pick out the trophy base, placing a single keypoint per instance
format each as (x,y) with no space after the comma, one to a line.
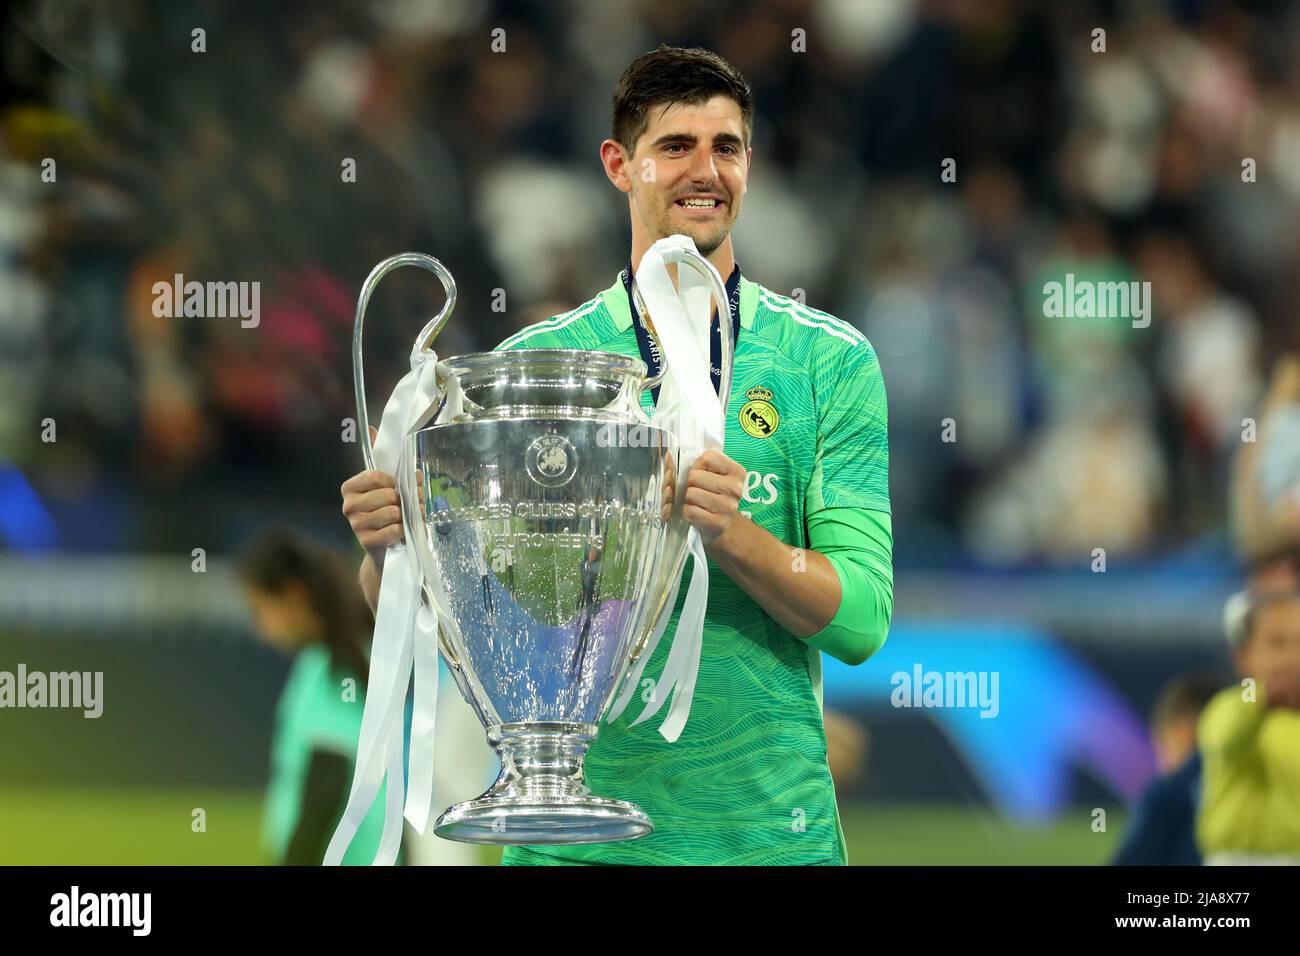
(509,821)
(540,797)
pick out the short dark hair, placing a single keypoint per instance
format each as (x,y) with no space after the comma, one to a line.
(674,74)
(1185,697)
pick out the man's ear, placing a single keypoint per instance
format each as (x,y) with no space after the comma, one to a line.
(617,164)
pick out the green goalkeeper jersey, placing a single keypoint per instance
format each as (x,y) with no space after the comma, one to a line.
(747,781)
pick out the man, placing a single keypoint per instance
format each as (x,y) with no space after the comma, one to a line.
(804,568)
(1249,737)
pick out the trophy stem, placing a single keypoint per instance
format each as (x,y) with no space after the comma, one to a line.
(541,760)
(541,795)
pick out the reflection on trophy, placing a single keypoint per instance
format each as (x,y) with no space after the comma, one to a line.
(535,514)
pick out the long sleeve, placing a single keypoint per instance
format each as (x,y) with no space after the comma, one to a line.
(1251,797)
(858,542)
(324,795)
(1229,725)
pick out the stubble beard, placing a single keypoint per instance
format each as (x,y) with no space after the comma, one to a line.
(706,244)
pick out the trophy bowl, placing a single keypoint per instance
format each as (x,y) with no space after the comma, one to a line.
(540,513)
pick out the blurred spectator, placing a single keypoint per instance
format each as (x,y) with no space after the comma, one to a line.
(1266,471)
(305,604)
(1210,347)
(1249,737)
(1162,830)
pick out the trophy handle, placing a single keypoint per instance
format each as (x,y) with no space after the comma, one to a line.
(700,265)
(426,336)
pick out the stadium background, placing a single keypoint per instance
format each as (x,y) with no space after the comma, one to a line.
(1071,435)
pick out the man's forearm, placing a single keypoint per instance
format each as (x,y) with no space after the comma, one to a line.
(797,586)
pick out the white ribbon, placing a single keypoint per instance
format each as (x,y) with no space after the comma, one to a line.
(406,633)
(633,681)
(689,407)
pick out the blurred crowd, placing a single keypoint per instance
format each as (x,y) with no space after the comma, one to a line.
(1173,157)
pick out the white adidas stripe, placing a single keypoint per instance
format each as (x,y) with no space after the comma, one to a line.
(827,323)
(815,315)
(550,325)
(819,315)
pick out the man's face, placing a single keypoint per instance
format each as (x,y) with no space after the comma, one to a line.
(689,171)
(1274,643)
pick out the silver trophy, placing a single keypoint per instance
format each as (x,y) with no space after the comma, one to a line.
(539,511)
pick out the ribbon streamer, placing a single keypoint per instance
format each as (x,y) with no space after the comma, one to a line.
(406,633)
(689,407)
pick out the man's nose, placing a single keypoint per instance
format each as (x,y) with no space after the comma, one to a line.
(703,168)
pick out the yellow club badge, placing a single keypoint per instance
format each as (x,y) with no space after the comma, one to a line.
(759,416)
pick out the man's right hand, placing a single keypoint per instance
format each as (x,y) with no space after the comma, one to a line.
(370,504)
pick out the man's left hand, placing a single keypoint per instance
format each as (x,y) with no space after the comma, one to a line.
(714,487)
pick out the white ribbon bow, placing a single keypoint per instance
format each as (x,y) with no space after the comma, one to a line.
(406,632)
(689,407)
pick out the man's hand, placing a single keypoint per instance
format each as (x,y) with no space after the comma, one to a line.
(370,504)
(714,487)
(802,596)
(670,488)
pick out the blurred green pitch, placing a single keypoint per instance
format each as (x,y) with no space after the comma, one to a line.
(64,826)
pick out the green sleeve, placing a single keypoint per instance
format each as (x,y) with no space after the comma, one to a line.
(851,469)
(859,543)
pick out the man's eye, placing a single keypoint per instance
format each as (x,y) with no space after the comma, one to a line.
(674,147)
(728,149)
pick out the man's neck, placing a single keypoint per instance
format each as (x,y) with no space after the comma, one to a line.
(722,258)
(722,261)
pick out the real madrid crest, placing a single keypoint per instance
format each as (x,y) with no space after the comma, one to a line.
(759,416)
(551,460)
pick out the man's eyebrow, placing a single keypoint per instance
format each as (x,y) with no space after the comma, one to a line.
(718,139)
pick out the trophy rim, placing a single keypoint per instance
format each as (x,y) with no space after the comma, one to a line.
(545,413)
(567,359)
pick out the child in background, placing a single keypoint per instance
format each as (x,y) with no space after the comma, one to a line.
(1162,831)
(1249,737)
(305,603)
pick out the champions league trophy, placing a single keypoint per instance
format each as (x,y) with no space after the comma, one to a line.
(532,492)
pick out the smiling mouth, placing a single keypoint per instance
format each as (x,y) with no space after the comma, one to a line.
(700,204)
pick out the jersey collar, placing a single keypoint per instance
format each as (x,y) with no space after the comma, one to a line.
(615,300)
